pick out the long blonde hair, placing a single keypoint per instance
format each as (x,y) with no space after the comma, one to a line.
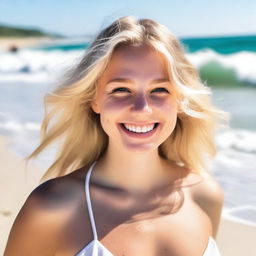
(70,119)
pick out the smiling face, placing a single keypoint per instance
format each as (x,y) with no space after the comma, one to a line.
(134,95)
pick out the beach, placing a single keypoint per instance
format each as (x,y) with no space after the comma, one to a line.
(234,239)
(20,42)
(29,73)
(14,187)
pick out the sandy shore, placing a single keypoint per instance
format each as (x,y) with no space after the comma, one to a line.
(7,42)
(14,187)
(233,239)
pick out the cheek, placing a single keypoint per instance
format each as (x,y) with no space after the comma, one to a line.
(166,105)
(169,111)
(115,103)
(110,110)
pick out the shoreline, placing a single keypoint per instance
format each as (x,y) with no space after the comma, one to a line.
(233,239)
(22,42)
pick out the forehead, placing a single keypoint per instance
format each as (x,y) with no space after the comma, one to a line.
(140,62)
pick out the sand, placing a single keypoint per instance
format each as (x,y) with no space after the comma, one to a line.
(14,187)
(7,42)
(234,239)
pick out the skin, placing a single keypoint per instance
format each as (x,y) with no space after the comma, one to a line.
(128,93)
(151,206)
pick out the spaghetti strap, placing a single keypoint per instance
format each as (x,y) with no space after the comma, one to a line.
(88,201)
(96,248)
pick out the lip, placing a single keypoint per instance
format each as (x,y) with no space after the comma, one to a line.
(138,135)
(139,124)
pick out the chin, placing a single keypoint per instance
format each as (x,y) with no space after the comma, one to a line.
(140,148)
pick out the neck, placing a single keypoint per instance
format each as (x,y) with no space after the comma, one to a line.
(134,172)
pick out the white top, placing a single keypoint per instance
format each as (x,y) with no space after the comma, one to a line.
(96,248)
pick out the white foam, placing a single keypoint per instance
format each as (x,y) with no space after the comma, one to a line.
(15,126)
(26,77)
(35,65)
(237,139)
(242,62)
(228,213)
(39,64)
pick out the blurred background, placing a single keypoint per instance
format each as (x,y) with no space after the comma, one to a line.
(40,40)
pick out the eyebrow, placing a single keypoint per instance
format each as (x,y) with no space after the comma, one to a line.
(130,81)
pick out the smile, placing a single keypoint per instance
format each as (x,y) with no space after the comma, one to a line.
(139,131)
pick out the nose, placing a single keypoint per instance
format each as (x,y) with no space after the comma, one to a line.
(141,104)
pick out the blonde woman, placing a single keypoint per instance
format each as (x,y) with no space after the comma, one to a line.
(136,127)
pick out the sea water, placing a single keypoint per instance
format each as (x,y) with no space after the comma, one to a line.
(227,63)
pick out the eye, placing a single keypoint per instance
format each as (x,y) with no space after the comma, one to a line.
(121,89)
(160,89)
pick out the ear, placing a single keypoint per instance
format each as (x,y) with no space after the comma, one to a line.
(95,106)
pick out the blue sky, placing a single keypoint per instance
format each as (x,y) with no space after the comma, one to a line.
(183,18)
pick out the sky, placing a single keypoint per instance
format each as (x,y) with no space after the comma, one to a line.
(196,18)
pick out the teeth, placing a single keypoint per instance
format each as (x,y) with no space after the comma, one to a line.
(139,129)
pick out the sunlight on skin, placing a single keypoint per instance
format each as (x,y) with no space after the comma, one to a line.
(135,89)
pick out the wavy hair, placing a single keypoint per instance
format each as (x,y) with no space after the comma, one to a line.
(70,119)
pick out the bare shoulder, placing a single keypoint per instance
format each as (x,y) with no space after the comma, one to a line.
(205,188)
(207,193)
(53,195)
(38,226)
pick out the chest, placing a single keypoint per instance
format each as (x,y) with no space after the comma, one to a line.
(171,229)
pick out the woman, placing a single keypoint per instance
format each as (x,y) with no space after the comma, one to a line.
(136,127)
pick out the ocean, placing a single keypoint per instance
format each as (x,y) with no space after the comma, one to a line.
(227,64)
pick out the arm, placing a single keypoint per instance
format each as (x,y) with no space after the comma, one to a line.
(210,197)
(35,230)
